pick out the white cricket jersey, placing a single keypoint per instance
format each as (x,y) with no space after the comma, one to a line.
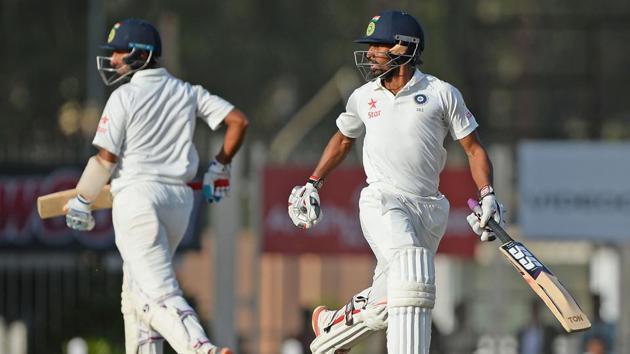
(404,133)
(149,124)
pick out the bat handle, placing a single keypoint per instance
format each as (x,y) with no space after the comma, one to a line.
(499,231)
(494,226)
(473,204)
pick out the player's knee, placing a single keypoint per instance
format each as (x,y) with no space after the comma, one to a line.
(173,317)
(375,318)
(411,278)
(126,302)
(173,304)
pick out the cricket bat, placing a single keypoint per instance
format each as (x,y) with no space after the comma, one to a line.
(51,205)
(540,279)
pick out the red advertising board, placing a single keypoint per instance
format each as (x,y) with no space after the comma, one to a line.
(22,229)
(340,231)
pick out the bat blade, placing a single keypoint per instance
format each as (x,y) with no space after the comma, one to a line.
(51,205)
(547,287)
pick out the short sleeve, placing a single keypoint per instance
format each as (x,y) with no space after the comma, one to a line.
(212,109)
(460,120)
(110,133)
(349,122)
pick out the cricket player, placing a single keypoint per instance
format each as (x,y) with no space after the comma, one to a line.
(145,146)
(405,115)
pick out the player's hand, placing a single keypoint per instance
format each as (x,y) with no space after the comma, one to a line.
(79,214)
(304,206)
(489,208)
(216,182)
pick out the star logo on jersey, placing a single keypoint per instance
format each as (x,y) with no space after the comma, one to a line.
(102,124)
(372,103)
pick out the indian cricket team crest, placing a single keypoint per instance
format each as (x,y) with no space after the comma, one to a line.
(112,33)
(420,99)
(372,25)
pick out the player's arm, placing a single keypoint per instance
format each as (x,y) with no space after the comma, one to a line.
(236,123)
(304,206)
(95,176)
(481,171)
(350,126)
(216,181)
(335,152)
(480,165)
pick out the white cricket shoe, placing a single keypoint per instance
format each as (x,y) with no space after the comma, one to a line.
(324,319)
(217,350)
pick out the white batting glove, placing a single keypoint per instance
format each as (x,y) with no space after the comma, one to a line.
(489,208)
(478,220)
(216,182)
(79,214)
(304,206)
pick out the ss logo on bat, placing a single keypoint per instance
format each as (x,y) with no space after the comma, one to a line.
(524,257)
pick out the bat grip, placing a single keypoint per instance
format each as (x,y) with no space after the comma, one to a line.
(498,230)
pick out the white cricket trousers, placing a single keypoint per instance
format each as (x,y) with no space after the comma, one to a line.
(391,220)
(404,232)
(150,220)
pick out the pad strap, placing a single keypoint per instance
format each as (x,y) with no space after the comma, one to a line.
(406,293)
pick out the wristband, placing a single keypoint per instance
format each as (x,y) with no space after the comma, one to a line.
(316,182)
(82,200)
(485,191)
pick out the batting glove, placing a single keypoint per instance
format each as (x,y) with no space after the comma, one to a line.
(304,206)
(478,220)
(79,214)
(216,182)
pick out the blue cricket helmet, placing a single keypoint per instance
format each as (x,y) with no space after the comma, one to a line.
(134,34)
(398,29)
(137,37)
(389,26)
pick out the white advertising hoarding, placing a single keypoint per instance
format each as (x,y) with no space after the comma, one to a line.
(575,190)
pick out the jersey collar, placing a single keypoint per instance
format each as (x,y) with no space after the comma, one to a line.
(148,73)
(417,76)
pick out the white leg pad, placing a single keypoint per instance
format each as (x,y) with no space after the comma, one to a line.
(410,296)
(150,341)
(139,338)
(177,322)
(350,325)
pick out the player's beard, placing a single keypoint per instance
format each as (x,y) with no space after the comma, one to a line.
(386,70)
(123,69)
(377,69)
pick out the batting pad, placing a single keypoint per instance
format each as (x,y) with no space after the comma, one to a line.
(139,337)
(176,321)
(411,296)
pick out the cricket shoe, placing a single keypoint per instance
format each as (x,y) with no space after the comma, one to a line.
(323,321)
(338,331)
(217,350)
